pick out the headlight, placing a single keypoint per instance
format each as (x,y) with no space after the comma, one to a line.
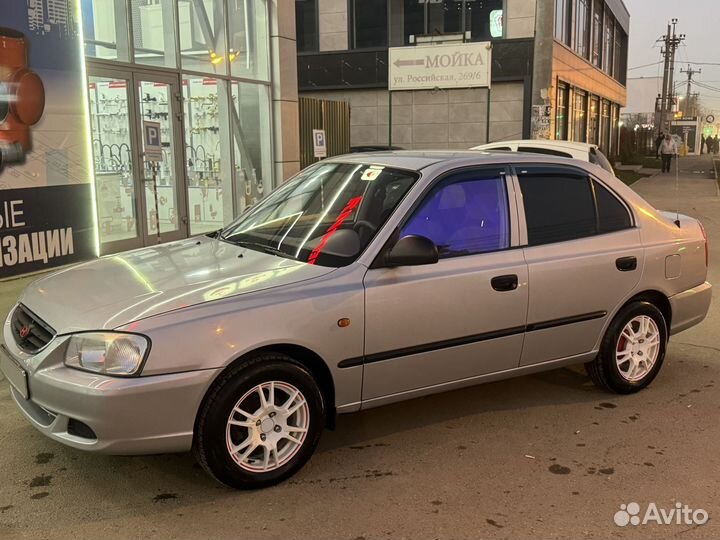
(108,353)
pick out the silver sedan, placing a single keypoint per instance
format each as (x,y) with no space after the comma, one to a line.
(365,280)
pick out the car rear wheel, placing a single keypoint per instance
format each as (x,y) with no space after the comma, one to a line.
(260,423)
(632,351)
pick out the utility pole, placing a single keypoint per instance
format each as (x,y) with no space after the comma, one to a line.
(671,44)
(674,44)
(690,72)
(666,72)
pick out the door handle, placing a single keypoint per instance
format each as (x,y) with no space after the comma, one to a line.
(504,283)
(626,264)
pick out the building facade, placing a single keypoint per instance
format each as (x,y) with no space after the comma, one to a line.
(138,122)
(558,69)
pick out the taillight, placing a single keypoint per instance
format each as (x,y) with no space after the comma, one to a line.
(707,251)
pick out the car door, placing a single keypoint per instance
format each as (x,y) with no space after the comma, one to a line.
(463,316)
(584,258)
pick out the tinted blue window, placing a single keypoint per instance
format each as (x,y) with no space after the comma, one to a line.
(464,216)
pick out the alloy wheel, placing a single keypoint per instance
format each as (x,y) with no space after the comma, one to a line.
(267,426)
(637,348)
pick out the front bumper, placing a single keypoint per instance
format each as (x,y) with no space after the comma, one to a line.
(143,415)
(690,307)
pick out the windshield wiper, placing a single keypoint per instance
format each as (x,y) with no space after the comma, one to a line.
(260,247)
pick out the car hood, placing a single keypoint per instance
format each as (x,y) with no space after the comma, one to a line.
(113,291)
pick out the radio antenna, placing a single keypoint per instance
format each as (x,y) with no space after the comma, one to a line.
(677,189)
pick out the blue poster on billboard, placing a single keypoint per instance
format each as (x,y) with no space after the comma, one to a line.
(45,189)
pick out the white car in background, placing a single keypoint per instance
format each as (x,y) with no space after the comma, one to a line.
(568,149)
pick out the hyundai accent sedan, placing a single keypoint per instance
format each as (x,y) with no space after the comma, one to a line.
(365,280)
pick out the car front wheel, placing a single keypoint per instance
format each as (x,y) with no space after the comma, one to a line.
(632,351)
(260,423)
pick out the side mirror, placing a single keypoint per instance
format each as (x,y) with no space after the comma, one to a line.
(412,250)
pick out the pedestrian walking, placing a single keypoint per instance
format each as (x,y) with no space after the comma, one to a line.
(703,141)
(668,149)
(658,142)
(716,145)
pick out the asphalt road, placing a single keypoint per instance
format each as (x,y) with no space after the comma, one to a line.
(546,456)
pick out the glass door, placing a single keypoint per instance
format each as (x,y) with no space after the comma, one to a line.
(112,127)
(140,190)
(161,157)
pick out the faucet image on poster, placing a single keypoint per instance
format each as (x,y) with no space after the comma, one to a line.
(22,98)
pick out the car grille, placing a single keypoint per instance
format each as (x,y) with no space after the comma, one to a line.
(30,332)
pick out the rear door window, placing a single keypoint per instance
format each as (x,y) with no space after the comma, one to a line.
(559,204)
(612,214)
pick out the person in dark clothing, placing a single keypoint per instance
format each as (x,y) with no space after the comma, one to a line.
(703,141)
(716,145)
(658,142)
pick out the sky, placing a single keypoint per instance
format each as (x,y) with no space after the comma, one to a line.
(699,20)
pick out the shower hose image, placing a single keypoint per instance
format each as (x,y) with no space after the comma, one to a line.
(22,98)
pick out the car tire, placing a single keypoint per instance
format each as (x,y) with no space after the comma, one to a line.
(632,350)
(247,441)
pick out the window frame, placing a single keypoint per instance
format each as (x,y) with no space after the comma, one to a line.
(570,171)
(515,237)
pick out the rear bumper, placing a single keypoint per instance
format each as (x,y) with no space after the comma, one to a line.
(690,307)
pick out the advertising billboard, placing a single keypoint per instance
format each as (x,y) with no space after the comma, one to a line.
(46,201)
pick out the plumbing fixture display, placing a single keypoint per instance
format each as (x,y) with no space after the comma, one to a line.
(22,98)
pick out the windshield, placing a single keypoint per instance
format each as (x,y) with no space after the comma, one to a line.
(327,215)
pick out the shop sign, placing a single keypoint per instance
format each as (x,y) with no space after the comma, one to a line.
(35,236)
(440,66)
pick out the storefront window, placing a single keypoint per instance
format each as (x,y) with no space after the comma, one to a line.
(580,117)
(306,23)
(594,130)
(112,156)
(615,130)
(369,23)
(202,36)
(486,19)
(249,51)
(561,113)
(251,131)
(153,24)
(207,151)
(482,18)
(105,29)
(605,123)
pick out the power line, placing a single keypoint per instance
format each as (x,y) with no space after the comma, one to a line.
(646,65)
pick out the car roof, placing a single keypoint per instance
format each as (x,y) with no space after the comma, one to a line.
(542,143)
(406,159)
(417,160)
